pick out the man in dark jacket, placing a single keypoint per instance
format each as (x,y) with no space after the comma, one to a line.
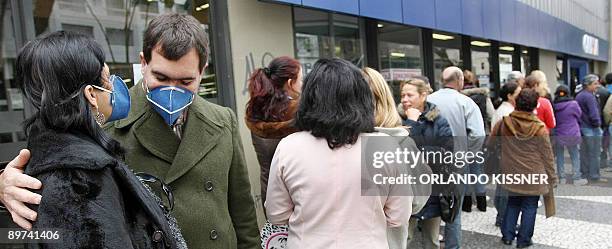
(590,127)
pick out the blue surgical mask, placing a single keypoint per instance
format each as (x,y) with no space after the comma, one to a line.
(120,98)
(169,101)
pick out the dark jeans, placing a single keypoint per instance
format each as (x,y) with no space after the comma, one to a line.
(500,201)
(527,207)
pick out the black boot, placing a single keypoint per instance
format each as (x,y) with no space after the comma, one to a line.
(481,202)
(467,204)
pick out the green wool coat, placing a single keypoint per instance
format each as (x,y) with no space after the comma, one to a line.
(206,170)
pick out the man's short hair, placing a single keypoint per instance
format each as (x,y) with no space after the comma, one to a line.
(175,34)
(515,76)
(455,76)
(589,79)
(527,100)
(608,78)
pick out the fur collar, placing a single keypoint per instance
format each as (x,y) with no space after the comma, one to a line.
(55,150)
(473,91)
(431,112)
(275,129)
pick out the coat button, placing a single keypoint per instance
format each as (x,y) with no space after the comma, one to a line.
(214,235)
(209,186)
(157,236)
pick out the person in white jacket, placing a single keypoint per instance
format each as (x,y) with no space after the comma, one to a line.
(508,93)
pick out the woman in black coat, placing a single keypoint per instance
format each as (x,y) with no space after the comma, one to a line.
(431,132)
(90,197)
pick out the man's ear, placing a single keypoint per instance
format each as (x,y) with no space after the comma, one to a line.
(203,70)
(91,96)
(143,62)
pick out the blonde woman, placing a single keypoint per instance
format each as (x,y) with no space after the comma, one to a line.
(431,132)
(543,89)
(388,121)
(544,111)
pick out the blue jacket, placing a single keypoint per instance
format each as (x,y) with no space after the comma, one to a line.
(591,117)
(431,132)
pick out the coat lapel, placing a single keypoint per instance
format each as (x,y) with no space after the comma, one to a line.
(157,137)
(149,128)
(199,137)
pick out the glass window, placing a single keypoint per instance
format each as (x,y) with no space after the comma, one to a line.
(320,34)
(117,4)
(347,39)
(11,99)
(399,53)
(149,7)
(525,61)
(481,64)
(87,30)
(117,36)
(505,61)
(110,22)
(560,72)
(446,53)
(312,36)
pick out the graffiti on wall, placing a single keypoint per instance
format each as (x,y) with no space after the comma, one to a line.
(262,61)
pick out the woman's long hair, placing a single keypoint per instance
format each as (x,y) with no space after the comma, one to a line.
(336,103)
(268,98)
(386,114)
(53,71)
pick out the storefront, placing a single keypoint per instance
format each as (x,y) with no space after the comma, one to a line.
(404,38)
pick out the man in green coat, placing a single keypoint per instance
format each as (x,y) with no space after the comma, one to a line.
(177,136)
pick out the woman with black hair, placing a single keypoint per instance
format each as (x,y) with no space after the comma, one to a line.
(316,189)
(508,93)
(90,197)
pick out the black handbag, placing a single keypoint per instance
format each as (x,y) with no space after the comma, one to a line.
(449,197)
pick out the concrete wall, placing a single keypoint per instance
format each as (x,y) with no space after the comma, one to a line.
(258,32)
(589,15)
(548,64)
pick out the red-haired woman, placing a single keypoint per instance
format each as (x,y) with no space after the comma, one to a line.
(274,93)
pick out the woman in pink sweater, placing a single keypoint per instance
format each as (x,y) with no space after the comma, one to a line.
(315,182)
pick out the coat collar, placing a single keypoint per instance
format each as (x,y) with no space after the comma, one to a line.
(430,112)
(275,129)
(200,135)
(53,150)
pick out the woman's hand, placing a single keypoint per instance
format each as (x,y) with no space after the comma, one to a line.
(413,114)
(14,185)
